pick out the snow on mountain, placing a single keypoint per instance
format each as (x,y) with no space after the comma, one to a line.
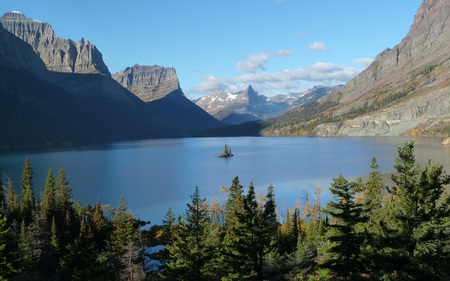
(249,105)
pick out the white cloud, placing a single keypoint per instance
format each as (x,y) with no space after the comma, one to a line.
(256,62)
(363,61)
(286,81)
(318,47)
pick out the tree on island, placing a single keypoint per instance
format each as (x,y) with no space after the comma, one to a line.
(226,152)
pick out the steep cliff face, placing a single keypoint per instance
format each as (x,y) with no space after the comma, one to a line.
(404,91)
(159,88)
(58,54)
(18,55)
(148,82)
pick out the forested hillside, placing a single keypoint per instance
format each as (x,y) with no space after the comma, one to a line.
(368,231)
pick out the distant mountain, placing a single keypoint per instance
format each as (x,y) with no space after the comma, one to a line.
(404,91)
(57,92)
(240,107)
(305,97)
(248,105)
(159,87)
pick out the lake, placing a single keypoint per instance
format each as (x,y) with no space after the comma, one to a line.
(156,174)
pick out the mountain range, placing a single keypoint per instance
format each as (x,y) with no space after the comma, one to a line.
(57,92)
(249,105)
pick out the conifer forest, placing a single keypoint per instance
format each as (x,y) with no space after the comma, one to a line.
(368,231)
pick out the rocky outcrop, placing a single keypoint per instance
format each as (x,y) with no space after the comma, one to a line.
(58,54)
(148,82)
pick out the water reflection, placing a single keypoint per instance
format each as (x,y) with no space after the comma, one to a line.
(156,174)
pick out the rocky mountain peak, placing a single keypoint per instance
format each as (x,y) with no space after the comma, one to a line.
(149,82)
(14,15)
(58,54)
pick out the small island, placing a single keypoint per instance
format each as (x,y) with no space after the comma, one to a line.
(226,152)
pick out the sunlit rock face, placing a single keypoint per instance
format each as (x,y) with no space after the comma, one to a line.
(58,54)
(148,82)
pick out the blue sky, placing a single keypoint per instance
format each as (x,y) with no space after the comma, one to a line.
(277,46)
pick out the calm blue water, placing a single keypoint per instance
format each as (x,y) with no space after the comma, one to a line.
(156,174)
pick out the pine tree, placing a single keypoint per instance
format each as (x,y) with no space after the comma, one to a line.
(6,267)
(375,210)
(373,188)
(344,256)
(123,240)
(48,201)
(27,196)
(251,233)
(234,212)
(2,198)
(83,261)
(189,251)
(99,226)
(54,241)
(12,203)
(24,248)
(418,240)
(63,193)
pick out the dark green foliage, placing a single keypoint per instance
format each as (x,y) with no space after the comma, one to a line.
(189,250)
(62,240)
(48,201)
(27,196)
(12,203)
(420,209)
(344,258)
(6,267)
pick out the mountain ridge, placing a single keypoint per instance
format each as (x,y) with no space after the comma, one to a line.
(249,105)
(403,91)
(72,99)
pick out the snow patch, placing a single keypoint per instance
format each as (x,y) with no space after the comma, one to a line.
(231,96)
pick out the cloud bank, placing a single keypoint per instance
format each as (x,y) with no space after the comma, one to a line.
(282,81)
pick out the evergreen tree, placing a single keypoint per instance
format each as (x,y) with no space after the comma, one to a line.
(83,261)
(2,197)
(27,196)
(100,226)
(54,241)
(123,240)
(189,252)
(418,240)
(295,228)
(12,203)
(24,249)
(234,212)
(373,188)
(344,256)
(251,233)
(48,201)
(63,193)
(6,267)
